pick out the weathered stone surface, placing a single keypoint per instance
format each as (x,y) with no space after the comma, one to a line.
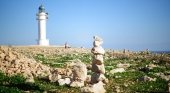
(88,79)
(98,59)
(2,55)
(97,63)
(117,70)
(151,66)
(95,88)
(69,72)
(96,77)
(15,63)
(79,71)
(163,76)
(117,89)
(77,84)
(54,77)
(123,65)
(87,89)
(97,41)
(98,50)
(146,78)
(98,68)
(65,81)
(30,80)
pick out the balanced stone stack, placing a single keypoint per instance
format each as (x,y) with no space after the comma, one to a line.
(98,63)
(98,80)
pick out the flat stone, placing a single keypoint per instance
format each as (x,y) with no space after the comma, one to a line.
(77,84)
(65,81)
(95,88)
(98,50)
(123,65)
(146,78)
(117,70)
(98,59)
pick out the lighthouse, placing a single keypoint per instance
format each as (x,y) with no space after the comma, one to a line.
(42,17)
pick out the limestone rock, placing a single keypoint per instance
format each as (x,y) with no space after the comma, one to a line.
(117,70)
(96,77)
(163,76)
(98,68)
(151,66)
(87,89)
(95,88)
(29,80)
(97,41)
(117,89)
(88,79)
(68,72)
(16,63)
(61,82)
(123,65)
(98,59)
(2,55)
(65,81)
(98,50)
(77,84)
(79,71)
(146,78)
(54,77)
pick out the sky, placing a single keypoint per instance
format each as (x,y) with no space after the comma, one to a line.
(123,24)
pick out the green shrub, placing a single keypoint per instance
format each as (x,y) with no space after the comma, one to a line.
(4,89)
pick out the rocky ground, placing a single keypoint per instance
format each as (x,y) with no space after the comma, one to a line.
(49,70)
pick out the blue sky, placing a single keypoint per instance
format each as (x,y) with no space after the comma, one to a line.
(123,24)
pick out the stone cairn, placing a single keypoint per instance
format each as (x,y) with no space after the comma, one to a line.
(97,79)
(97,62)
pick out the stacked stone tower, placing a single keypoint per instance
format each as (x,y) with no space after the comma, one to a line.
(98,80)
(97,62)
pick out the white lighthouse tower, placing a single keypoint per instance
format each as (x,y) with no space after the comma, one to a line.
(42,16)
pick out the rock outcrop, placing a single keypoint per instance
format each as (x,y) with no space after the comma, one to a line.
(12,63)
(79,70)
(74,74)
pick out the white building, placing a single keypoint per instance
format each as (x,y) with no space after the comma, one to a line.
(42,17)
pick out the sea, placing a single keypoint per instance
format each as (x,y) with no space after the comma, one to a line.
(161,52)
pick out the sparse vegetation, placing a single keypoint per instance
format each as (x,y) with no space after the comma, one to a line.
(125,82)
